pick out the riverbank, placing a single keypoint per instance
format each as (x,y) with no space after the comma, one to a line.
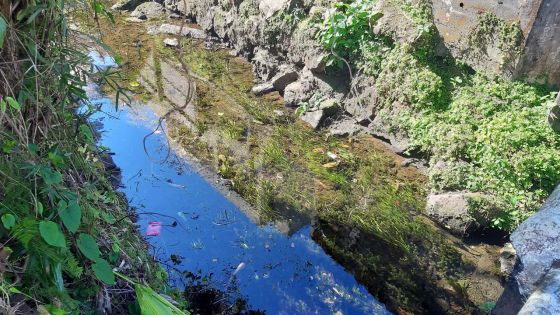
(294,175)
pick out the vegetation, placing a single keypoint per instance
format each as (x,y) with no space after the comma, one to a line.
(490,134)
(64,228)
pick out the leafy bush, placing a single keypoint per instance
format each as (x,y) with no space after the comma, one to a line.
(346,26)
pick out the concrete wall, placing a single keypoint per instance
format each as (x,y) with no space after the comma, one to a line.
(537,19)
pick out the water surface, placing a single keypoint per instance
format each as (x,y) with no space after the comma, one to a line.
(276,273)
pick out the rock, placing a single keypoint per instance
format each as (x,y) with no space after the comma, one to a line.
(262,89)
(269,7)
(362,100)
(297,93)
(176,29)
(278,112)
(135,20)
(546,299)
(171,42)
(345,128)
(148,10)
(455,211)
(264,64)
(137,16)
(285,76)
(383,127)
(316,117)
(537,243)
(554,116)
(317,64)
(126,5)
(507,259)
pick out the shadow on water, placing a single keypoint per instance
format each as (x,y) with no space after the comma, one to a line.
(203,232)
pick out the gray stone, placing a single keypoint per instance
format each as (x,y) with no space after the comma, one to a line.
(265,64)
(285,76)
(454,212)
(507,259)
(537,243)
(148,10)
(176,30)
(546,299)
(171,42)
(262,89)
(269,7)
(345,128)
(362,101)
(316,117)
(383,127)
(297,93)
(126,5)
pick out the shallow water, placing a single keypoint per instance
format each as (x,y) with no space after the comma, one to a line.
(274,272)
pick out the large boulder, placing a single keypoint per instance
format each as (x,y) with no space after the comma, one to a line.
(459,212)
(537,243)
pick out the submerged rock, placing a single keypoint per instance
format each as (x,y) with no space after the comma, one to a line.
(178,30)
(457,211)
(537,243)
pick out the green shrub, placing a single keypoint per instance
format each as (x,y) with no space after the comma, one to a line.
(346,26)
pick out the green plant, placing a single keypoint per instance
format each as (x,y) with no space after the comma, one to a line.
(346,27)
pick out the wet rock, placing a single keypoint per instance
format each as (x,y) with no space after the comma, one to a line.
(537,244)
(345,128)
(285,76)
(177,30)
(316,117)
(171,42)
(546,299)
(507,259)
(262,89)
(457,211)
(126,5)
(148,10)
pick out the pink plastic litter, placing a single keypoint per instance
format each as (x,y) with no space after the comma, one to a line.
(154,228)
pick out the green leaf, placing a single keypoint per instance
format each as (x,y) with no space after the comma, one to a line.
(88,247)
(50,232)
(86,132)
(71,216)
(13,103)
(8,220)
(3,30)
(51,176)
(152,303)
(39,208)
(103,271)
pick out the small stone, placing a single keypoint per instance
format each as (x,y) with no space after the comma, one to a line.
(285,76)
(171,42)
(507,259)
(278,112)
(262,89)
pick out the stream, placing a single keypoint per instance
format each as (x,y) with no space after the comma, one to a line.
(204,232)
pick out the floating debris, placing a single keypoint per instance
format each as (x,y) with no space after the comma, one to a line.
(154,228)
